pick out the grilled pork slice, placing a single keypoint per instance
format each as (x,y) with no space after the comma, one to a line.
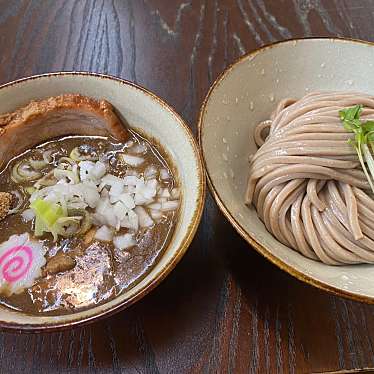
(69,114)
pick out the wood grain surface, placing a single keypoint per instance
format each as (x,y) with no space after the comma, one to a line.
(224,309)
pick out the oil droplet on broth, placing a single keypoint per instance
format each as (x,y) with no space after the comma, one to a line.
(323,64)
(231,172)
(251,105)
(224,140)
(228,148)
(228,118)
(236,100)
(263,71)
(225,175)
(224,156)
(271,97)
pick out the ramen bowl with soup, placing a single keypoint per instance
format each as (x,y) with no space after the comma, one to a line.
(94,212)
(277,130)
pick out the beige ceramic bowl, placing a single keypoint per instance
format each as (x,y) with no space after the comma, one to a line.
(245,94)
(145,111)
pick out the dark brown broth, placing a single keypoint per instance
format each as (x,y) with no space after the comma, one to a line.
(102,271)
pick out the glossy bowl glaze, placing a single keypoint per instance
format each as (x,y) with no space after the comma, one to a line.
(153,117)
(245,94)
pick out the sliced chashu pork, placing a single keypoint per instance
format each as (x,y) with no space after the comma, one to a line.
(69,114)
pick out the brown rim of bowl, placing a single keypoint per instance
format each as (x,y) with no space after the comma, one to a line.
(200,202)
(243,233)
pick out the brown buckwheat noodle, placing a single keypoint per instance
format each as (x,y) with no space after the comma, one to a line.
(306,181)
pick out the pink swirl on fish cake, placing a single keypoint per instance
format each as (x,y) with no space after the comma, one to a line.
(15,263)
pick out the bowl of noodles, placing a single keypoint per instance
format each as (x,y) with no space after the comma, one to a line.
(287,134)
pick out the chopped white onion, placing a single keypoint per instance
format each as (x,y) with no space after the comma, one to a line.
(155,206)
(120,210)
(144,218)
(28,215)
(128,200)
(131,180)
(164,174)
(164,193)
(150,172)
(169,205)
(99,170)
(132,173)
(104,214)
(139,199)
(89,193)
(152,184)
(92,171)
(109,180)
(104,233)
(86,192)
(175,193)
(132,160)
(124,241)
(155,214)
(85,168)
(79,204)
(139,148)
(116,201)
(104,192)
(98,219)
(129,189)
(131,221)
(117,188)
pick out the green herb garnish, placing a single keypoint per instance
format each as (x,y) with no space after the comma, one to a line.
(46,216)
(364,136)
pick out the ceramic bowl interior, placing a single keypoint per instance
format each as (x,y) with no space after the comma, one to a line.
(151,116)
(245,94)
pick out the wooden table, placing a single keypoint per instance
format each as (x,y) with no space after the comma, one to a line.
(224,309)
